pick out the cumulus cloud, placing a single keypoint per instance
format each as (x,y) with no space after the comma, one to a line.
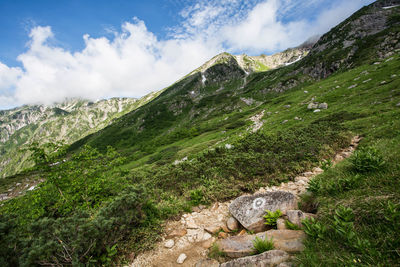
(135,62)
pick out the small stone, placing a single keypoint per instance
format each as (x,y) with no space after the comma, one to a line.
(222,235)
(312,106)
(169,243)
(207,263)
(208,243)
(323,105)
(352,86)
(297,118)
(306,92)
(213,229)
(318,170)
(383,82)
(317,110)
(190,224)
(285,121)
(296,216)
(280,224)
(367,80)
(215,206)
(286,106)
(181,258)
(206,236)
(308,174)
(177,233)
(225,228)
(196,209)
(232,224)
(398,104)
(286,264)
(243,232)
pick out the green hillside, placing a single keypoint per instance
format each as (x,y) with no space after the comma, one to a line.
(220,132)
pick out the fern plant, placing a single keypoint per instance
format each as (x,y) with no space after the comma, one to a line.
(271,217)
(261,245)
(291,226)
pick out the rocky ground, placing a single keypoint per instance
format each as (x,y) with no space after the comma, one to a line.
(233,226)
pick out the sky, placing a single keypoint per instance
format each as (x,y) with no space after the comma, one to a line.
(95,49)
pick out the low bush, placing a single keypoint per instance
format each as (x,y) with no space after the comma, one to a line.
(367,159)
(261,245)
(271,217)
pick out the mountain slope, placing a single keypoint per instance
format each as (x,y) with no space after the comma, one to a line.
(66,122)
(221,132)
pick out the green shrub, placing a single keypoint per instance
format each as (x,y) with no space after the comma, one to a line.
(272,217)
(326,164)
(314,229)
(291,226)
(261,245)
(314,185)
(367,159)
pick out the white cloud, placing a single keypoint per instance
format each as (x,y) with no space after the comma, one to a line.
(135,62)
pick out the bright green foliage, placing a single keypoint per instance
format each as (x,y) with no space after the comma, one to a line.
(261,245)
(291,226)
(314,229)
(271,217)
(367,159)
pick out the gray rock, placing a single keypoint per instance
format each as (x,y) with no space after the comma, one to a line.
(169,243)
(249,210)
(213,229)
(306,92)
(286,106)
(241,246)
(296,216)
(352,86)
(317,110)
(207,263)
(232,224)
(182,257)
(268,258)
(323,106)
(312,106)
(286,264)
(398,104)
(285,121)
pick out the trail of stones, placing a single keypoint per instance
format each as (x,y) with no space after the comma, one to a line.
(186,242)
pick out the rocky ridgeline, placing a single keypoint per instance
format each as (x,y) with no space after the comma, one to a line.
(232,226)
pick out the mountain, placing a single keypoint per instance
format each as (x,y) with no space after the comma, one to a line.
(65,122)
(233,125)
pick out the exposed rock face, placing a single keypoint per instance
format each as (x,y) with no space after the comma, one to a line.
(241,246)
(249,210)
(268,258)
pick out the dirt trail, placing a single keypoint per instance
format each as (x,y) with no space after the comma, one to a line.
(189,234)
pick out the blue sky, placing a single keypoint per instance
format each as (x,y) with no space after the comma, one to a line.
(51,50)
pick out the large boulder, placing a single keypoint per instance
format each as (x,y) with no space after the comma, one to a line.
(241,246)
(249,210)
(268,258)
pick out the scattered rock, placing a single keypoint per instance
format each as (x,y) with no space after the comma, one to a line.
(177,233)
(312,106)
(280,224)
(243,232)
(190,224)
(225,228)
(169,243)
(249,210)
(222,235)
(213,229)
(268,258)
(232,224)
(317,110)
(352,86)
(383,82)
(393,76)
(318,170)
(207,263)
(285,121)
(208,243)
(398,104)
(323,106)
(181,258)
(286,106)
(367,80)
(215,206)
(286,264)
(296,216)
(306,92)
(196,209)
(297,118)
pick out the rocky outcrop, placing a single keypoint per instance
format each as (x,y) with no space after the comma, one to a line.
(240,246)
(268,258)
(249,210)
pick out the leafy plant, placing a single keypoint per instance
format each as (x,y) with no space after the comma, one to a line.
(367,159)
(291,226)
(314,229)
(261,245)
(314,185)
(271,217)
(216,252)
(326,164)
